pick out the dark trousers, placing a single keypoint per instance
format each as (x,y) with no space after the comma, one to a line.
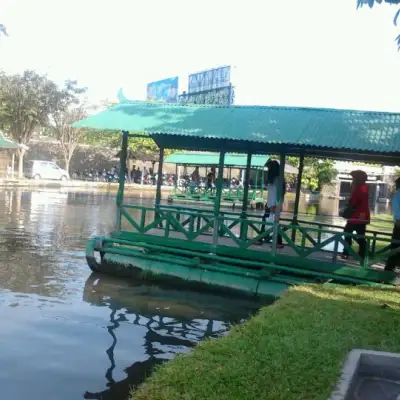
(393,261)
(268,238)
(362,243)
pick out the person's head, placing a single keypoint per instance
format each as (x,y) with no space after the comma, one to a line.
(273,170)
(359,177)
(397,183)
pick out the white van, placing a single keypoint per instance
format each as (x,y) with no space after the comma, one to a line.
(38,169)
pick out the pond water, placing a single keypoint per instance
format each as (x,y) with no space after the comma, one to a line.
(68,334)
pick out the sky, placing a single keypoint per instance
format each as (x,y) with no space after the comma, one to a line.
(315,53)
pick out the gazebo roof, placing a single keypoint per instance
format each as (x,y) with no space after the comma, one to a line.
(339,134)
(203,159)
(212,159)
(9,144)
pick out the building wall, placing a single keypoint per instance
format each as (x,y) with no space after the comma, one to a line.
(381,179)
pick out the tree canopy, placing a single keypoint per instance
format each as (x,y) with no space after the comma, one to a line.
(316,173)
(29,101)
(372,3)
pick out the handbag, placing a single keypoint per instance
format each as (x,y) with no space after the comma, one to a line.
(348,211)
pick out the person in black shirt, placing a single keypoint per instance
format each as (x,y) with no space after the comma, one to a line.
(211,178)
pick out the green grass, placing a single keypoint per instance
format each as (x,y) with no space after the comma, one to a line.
(382,223)
(291,350)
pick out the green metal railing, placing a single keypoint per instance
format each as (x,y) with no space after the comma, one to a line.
(208,195)
(306,240)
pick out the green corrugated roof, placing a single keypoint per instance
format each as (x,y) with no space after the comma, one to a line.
(212,159)
(240,128)
(8,144)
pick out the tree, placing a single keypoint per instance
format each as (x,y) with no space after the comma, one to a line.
(371,3)
(325,172)
(26,102)
(144,146)
(68,136)
(316,173)
(104,138)
(68,110)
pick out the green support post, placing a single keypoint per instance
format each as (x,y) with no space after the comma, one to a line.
(279,198)
(159,184)
(262,183)
(255,185)
(122,172)
(159,177)
(246,183)
(206,189)
(230,180)
(218,195)
(297,199)
(176,179)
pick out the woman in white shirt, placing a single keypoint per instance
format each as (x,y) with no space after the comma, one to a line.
(271,207)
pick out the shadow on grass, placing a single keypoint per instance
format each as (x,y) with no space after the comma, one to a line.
(374,296)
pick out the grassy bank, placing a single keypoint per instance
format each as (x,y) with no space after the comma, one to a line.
(291,350)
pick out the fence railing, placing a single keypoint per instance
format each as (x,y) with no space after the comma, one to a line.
(303,239)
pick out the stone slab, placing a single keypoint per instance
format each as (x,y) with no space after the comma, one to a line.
(369,375)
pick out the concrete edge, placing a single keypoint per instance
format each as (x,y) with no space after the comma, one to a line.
(348,371)
(351,366)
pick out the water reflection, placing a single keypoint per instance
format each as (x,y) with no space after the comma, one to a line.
(174,320)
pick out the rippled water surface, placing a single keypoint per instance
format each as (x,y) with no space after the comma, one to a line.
(66,334)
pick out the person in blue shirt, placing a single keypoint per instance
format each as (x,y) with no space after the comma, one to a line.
(393,260)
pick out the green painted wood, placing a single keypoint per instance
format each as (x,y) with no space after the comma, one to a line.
(123,156)
(319,268)
(158,270)
(240,247)
(227,269)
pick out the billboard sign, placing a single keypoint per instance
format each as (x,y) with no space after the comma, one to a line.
(221,96)
(165,90)
(210,79)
